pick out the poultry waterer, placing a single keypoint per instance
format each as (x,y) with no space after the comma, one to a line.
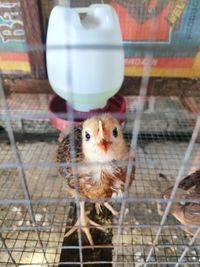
(85,59)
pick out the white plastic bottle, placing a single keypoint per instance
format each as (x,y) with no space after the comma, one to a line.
(85,57)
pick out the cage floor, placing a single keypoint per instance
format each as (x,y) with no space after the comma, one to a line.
(163,140)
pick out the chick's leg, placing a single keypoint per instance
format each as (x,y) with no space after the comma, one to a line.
(84,221)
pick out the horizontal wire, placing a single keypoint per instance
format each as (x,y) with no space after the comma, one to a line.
(69,247)
(54,165)
(31,249)
(43,115)
(149,47)
(131,262)
(65,200)
(139,262)
(64,165)
(110,226)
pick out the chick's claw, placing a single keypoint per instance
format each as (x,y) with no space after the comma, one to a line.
(111,209)
(107,205)
(98,208)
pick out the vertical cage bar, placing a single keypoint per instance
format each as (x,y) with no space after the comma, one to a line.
(133,146)
(70,117)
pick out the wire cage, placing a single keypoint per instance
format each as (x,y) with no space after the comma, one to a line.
(35,209)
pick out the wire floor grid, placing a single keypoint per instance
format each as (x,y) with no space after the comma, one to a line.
(141,219)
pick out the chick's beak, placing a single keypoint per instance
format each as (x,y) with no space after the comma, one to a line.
(103,144)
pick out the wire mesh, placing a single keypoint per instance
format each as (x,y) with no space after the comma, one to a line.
(157,163)
(34,204)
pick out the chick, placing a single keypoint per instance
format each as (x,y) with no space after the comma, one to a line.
(187,211)
(103,154)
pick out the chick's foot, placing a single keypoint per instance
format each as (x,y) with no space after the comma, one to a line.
(84,221)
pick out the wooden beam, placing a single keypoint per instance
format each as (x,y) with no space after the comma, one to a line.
(131,86)
(29,86)
(33,30)
(162,87)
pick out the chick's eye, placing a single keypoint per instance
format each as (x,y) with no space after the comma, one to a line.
(115,133)
(87,136)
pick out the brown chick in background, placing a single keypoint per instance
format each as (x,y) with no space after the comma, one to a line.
(187,212)
(103,155)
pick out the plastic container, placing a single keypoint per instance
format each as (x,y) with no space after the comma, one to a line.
(85,57)
(59,108)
